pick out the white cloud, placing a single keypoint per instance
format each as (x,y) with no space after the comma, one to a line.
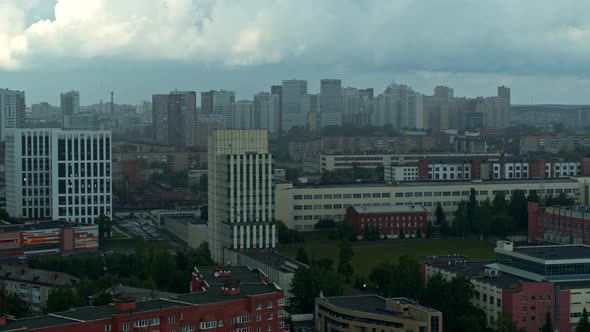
(440,36)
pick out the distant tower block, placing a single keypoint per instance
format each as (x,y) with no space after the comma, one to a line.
(112,103)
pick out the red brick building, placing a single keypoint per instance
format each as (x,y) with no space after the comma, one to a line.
(389,220)
(223,299)
(558,225)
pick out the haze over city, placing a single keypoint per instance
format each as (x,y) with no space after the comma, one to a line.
(136,48)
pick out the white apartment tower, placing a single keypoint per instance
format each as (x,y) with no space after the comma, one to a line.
(12,110)
(292,91)
(57,174)
(241,192)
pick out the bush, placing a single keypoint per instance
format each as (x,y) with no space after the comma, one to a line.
(325,224)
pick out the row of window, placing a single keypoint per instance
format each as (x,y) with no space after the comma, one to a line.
(429,194)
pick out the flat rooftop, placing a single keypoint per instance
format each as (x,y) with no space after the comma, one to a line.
(39,225)
(475,269)
(273,259)
(436,183)
(41,277)
(388,208)
(549,253)
(364,303)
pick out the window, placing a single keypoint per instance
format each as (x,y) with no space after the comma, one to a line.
(533,308)
(171,319)
(258,306)
(269,316)
(281,313)
(155,321)
(208,325)
(525,309)
(220,322)
(524,320)
(281,302)
(541,298)
(533,298)
(524,299)
(187,328)
(269,305)
(108,328)
(125,326)
(140,323)
(258,318)
(548,297)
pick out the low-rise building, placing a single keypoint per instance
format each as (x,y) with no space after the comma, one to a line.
(222,299)
(32,286)
(302,206)
(558,225)
(390,221)
(528,282)
(47,237)
(374,313)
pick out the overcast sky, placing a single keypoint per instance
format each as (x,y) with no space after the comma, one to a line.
(539,48)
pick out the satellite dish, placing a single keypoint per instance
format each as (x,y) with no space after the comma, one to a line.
(216,274)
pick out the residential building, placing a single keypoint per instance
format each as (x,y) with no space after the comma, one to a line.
(207,102)
(205,125)
(291,92)
(558,225)
(174,118)
(554,143)
(374,313)
(528,282)
(330,96)
(390,221)
(223,299)
(302,206)
(57,174)
(267,111)
(70,105)
(160,118)
(241,191)
(47,237)
(444,92)
(400,107)
(243,115)
(12,111)
(32,286)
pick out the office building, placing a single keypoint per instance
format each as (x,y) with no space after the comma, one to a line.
(374,313)
(241,191)
(70,105)
(330,95)
(267,111)
(528,282)
(222,299)
(59,175)
(47,237)
(400,107)
(302,206)
(291,111)
(12,110)
(388,221)
(32,286)
(207,102)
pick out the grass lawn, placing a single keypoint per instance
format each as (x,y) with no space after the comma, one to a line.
(368,255)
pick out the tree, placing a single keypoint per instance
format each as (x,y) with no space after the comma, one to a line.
(366,233)
(533,197)
(402,235)
(344,257)
(345,231)
(60,299)
(103,298)
(325,224)
(287,235)
(104,226)
(4,214)
(482,221)
(307,284)
(440,214)
(204,212)
(471,206)
(13,306)
(548,325)
(418,234)
(518,207)
(461,222)
(499,205)
(429,230)
(506,323)
(325,263)
(302,256)
(583,324)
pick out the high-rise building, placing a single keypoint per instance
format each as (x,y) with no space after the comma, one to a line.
(291,115)
(266,111)
(241,191)
(278,90)
(207,102)
(504,95)
(399,106)
(12,110)
(444,92)
(160,118)
(57,174)
(182,109)
(243,115)
(330,95)
(173,118)
(205,125)
(70,105)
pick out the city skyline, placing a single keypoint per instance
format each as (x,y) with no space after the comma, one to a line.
(107,46)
